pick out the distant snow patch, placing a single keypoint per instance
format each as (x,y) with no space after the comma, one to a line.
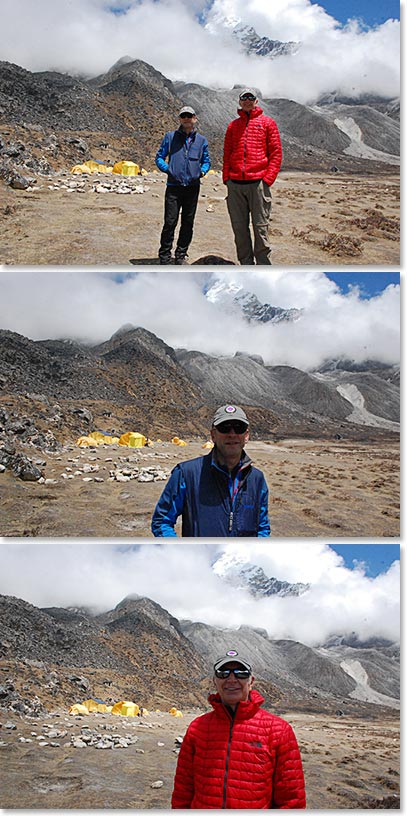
(357,147)
(359,414)
(363,691)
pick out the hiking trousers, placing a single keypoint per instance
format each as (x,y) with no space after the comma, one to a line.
(184,199)
(245,200)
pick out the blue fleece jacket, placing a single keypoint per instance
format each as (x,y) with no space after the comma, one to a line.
(212,502)
(185,158)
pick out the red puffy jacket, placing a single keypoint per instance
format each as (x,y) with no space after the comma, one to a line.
(250,760)
(252,148)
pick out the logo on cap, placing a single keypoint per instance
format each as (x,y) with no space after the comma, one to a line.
(231,653)
(230,409)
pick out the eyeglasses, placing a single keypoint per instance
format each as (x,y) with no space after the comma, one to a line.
(240,674)
(235,425)
(186,115)
(248,96)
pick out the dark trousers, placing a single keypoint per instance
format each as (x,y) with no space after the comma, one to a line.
(184,199)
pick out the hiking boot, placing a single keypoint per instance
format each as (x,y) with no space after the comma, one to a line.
(181,255)
(164,257)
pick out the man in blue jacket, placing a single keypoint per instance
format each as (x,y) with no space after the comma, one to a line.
(220,494)
(184,156)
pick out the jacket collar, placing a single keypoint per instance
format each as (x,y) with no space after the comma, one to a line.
(190,135)
(244,711)
(252,115)
(244,463)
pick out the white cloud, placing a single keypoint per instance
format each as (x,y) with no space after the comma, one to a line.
(91,306)
(85,36)
(179,577)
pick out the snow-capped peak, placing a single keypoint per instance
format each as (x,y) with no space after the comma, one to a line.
(234,569)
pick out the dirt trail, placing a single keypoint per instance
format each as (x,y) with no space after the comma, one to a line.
(348,762)
(318,219)
(317,489)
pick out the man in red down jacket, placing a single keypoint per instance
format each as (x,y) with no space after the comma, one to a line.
(238,755)
(252,157)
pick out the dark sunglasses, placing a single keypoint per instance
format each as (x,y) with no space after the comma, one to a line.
(235,425)
(241,674)
(248,96)
(186,115)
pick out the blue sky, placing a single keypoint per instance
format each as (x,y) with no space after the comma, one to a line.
(376,557)
(373,12)
(369,283)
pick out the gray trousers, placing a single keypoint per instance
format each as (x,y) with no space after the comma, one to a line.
(243,201)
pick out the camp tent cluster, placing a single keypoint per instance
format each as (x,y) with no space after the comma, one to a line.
(126,708)
(131,439)
(120,168)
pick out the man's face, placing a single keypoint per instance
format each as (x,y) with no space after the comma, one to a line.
(247,104)
(231,689)
(231,443)
(187,121)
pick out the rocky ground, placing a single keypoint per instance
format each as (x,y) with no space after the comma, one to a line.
(318,219)
(56,760)
(317,488)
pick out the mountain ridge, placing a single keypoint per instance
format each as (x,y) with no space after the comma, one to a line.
(54,120)
(123,649)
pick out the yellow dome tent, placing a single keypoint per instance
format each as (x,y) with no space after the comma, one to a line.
(95,705)
(90,166)
(175,712)
(176,441)
(127,709)
(132,439)
(126,168)
(78,708)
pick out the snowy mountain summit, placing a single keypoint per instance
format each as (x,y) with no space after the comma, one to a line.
(247,37)
(234,299)
(243,575)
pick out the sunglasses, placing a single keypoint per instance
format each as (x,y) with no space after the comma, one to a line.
(240,674)
(248,96)
(227,427)
(186,115)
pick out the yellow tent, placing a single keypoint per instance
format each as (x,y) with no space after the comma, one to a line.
(86,442)
(90,166)
(208,445)
(176,441)
(126,168)
(104,439)
(132,439)
(78,708)
(93,705)
(175,712)
(126,708)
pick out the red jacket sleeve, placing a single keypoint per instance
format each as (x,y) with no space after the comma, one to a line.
(275,153)
(183,792)
(288,783)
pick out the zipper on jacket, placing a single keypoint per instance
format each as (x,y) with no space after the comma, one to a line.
(225,778)
(245,144)
(232,502)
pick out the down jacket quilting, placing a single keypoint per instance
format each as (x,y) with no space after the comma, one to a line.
(249,761)
(252,148)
